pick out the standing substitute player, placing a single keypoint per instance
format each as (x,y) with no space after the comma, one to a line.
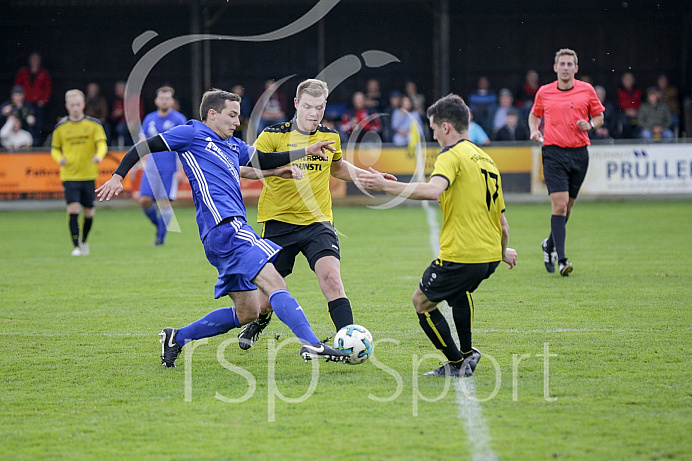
(159,179)
(473,238)
(211,157)
(297,215)
(78,145)
(566,104)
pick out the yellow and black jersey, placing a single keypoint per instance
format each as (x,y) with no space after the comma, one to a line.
(472,205)
(304,201)
(78,142)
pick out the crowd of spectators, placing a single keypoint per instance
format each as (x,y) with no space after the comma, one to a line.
(389,115)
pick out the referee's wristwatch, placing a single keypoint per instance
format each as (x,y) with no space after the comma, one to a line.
(593,127)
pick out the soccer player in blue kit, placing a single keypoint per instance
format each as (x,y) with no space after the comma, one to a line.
(159,178)
(212,157)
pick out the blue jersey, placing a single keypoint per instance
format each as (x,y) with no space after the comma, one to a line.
(152,125)
(212,166)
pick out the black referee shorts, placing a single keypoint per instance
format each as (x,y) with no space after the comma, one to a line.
(564,168)
(314,240)
(83,192)
(444,280)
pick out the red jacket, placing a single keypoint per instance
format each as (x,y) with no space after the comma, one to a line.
(37,90)
(629,99)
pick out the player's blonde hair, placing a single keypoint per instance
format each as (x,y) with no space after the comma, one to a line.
(72,93)
(567,52)
(313,87)
(165,89)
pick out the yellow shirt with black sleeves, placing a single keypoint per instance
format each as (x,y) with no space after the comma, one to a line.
(303,201)
(78,142)
(472,205)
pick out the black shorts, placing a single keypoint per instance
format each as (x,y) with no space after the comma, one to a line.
(80,191)
(565,168)
(314,241)
(444,280)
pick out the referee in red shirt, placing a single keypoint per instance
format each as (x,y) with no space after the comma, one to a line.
(570,108)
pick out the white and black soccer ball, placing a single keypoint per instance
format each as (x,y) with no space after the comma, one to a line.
(357,341)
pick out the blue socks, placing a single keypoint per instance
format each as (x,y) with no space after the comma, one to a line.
(151,214)
(221,320)
(214,323)
(289,312)
(162,222)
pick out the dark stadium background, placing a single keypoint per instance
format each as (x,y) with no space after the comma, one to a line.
(90,40)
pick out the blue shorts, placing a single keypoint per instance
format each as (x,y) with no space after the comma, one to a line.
(167,187)
(238,253)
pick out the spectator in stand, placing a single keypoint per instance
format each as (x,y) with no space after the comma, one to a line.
(404,120)
(482,101)
(394,105)
(610,128)
(359,119)
(498,116)
(36,82)
(418,100)
(19,108)
(527,93)
(629,102)
(655,118)
(513,130)
(120,119)
(274,109)
(96,105)
(669,95)
(12,136)
(245,112)
(476,133)
(374,99)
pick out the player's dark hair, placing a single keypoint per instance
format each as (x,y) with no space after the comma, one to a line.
(451,109)
(215,99)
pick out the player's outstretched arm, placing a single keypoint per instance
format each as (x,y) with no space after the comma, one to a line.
(430,190)
(286,172)
(110,188)
(270,160)
(114,185)
(346,171)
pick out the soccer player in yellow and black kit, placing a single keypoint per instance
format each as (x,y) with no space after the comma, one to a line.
(78,146)
(473,238)
(297,214)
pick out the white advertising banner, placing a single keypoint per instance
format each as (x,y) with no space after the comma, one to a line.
(639,169)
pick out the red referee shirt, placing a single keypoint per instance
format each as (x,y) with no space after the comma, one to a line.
(561,110)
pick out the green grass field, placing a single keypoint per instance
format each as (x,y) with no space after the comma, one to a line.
(81,376)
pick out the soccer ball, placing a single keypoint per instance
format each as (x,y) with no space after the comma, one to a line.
(357,341)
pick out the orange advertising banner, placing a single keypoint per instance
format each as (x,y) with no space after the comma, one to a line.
(36,175)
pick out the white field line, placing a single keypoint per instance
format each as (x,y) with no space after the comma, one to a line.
(469,411)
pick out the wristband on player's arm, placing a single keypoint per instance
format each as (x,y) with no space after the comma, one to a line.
(269,160)
(139,150)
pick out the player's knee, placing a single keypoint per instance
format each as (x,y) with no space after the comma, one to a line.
(331,283)
(146,201)
(560,208)
(246,316)
(420,302)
